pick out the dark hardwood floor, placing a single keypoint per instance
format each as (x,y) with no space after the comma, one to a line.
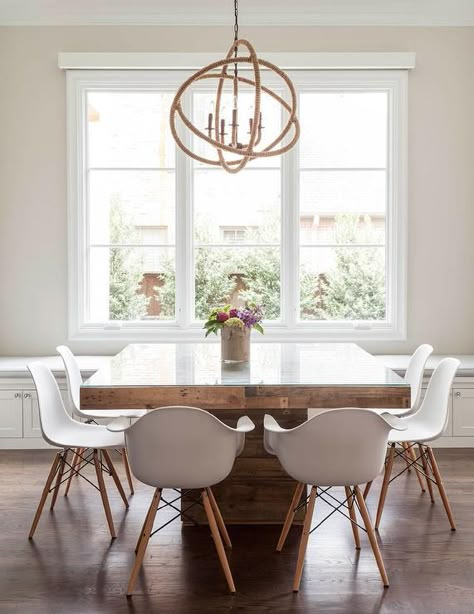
(72,567)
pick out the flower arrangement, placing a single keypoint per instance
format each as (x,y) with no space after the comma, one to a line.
(247,317)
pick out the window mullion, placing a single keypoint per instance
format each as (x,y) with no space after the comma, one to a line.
(290,238)
(184,234)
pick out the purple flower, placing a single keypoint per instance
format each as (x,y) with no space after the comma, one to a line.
(250,315)
(222,316)
(233,313)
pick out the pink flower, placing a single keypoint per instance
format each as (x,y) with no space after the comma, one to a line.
(222,316)
(233,313)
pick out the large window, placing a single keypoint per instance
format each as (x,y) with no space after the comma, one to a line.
(316,236)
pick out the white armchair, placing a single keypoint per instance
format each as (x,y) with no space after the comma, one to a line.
(339,447)
(183,448)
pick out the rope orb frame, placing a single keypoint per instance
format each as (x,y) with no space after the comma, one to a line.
(246,152)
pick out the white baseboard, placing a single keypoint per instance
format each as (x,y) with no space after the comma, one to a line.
(453,442)
(33,443)
(20,443)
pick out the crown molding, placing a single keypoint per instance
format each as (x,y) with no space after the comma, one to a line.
(252,13)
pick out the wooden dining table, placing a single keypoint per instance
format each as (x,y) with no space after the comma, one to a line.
(290,381)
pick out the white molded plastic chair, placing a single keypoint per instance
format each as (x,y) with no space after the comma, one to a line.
(425,425)
(186,448)
(60,430)
(74,380)
(413,377)
(339,447)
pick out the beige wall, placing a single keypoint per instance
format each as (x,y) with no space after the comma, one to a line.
(33,238)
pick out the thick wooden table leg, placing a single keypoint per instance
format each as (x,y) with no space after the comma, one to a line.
(258,490)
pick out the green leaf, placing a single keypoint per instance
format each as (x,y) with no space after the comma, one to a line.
(258,327)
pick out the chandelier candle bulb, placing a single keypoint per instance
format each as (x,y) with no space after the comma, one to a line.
(235,126)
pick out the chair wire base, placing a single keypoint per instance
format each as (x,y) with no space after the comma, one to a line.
(63,471)
(428,468)
(353,500)
(216,525)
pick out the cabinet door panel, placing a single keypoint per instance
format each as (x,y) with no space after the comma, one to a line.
(31,422)
(463,412)
(11,415)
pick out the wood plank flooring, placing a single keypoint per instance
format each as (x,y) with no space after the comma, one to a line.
(72,567)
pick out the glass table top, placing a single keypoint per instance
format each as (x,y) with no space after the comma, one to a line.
(271,364)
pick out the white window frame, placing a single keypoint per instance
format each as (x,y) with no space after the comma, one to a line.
(394,82)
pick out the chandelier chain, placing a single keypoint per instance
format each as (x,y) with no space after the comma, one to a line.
(236,33)
(236,23)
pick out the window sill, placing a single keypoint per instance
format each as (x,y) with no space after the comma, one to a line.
(304,332)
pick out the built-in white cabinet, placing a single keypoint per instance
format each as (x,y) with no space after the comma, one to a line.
(11,413)
(463,412)
(19,413)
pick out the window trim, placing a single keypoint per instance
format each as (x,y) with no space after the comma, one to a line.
(184,329)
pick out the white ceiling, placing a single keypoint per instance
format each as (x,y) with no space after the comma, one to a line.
(251,12)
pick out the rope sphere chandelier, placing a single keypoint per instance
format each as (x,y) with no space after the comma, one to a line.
(215,132)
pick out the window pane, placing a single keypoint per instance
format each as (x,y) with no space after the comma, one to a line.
(342,283)
(343,129)
(327,197)
(129,129)
(128,283)
(237,275)
(242,208)
(132,207)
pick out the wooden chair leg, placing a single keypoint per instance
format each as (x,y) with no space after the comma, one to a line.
(419,475)
(427,471)
(367,489)
(218,541)
(304,539)
(144,526)
(352,516)
(128,473)
(59,478)
(371,535)
(219,519)
(76,461)
(113,473)
(103,494)
(440,485)
(290,516)
(386,480)
(44,494)
(144,539)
